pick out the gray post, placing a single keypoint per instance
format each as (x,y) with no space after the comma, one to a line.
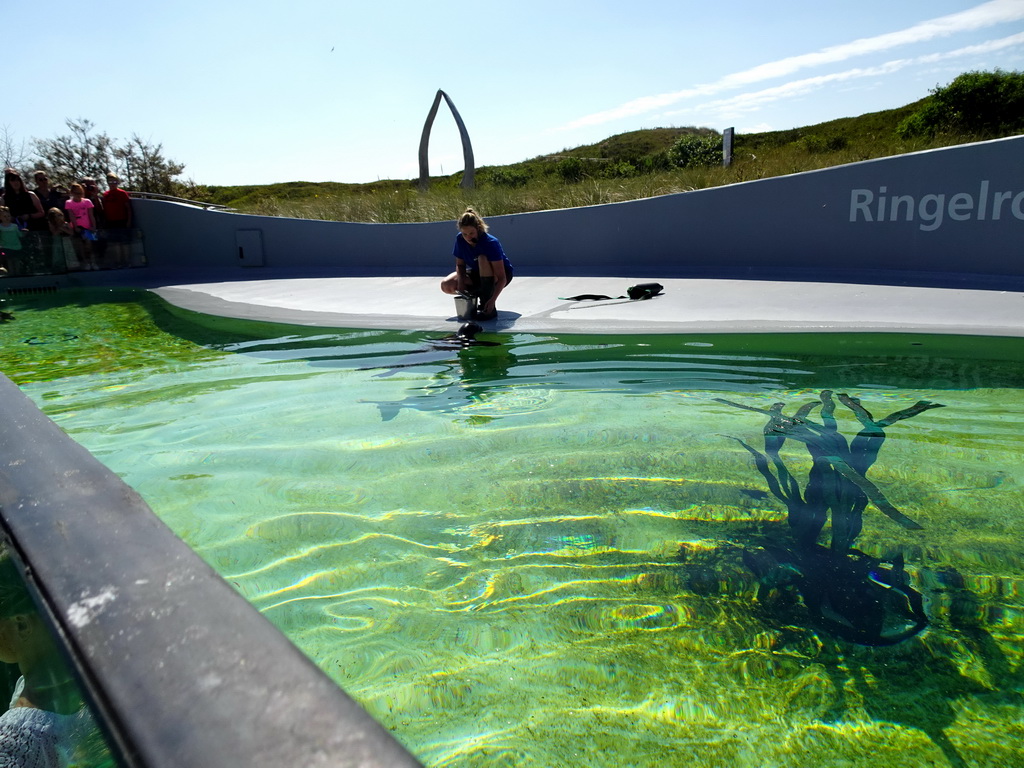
(727,147)
(468,181)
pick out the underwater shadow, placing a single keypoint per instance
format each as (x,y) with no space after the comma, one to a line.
(867,617)
(916,687)
(847,593)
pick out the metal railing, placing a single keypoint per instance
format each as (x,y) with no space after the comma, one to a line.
(173,199)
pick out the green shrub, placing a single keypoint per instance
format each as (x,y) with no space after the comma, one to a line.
(512,178)
(659,161)
(985,103)
(619,170)
(696,152)
(570,169)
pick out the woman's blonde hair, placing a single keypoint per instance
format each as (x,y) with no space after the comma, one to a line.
(471,218)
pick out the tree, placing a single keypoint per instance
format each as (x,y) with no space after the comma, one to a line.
(143,167)
(13,153)
(84,152)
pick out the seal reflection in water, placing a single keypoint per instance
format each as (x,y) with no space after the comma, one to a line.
(845,592)
(457,350)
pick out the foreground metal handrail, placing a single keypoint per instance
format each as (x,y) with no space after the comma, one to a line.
(173,199)
(182,671)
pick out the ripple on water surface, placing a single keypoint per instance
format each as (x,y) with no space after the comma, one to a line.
(533,553)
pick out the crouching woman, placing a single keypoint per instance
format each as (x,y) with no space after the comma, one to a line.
(481,267)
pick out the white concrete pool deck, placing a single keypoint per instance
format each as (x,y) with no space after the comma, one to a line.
(533,304)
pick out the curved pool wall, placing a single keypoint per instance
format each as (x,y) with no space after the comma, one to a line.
(180,669)
(951,217)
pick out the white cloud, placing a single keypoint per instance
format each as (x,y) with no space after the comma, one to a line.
(981,16)
(748,102)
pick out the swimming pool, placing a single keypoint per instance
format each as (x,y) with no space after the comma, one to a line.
(532,552)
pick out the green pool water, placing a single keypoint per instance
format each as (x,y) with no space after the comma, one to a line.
(531,553)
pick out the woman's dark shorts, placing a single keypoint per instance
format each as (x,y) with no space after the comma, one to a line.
(483,287)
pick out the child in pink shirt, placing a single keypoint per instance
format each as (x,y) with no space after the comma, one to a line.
(83,219)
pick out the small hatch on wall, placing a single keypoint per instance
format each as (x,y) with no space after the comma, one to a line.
(250,247)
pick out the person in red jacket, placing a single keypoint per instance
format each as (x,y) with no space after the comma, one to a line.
(117,208)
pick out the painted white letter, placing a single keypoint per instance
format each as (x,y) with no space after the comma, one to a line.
(934,216)
(860,199)
(1018,206)
(960,206)
(997,203)
(894,207)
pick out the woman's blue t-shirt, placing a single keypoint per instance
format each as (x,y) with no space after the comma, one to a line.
(487,246)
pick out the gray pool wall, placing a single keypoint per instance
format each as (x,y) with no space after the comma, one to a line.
(946,217)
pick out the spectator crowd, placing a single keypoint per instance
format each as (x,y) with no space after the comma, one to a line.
(52,230)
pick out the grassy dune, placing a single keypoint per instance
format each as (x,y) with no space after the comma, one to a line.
(627,166)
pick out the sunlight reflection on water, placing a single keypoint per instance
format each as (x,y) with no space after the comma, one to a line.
(533,553)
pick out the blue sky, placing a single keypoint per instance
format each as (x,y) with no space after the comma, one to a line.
(332,90)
